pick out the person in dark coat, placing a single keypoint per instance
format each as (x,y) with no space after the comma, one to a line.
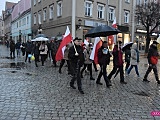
(12,49)
(36,53)
(117,62)
(18,48)
(53,49)
(103,61)
(76,57)
(23,48)
(127,53)
(28,48)
(152,52)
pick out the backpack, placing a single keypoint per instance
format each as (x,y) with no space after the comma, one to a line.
(154,60)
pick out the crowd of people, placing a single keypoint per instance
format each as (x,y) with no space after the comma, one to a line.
(78,59)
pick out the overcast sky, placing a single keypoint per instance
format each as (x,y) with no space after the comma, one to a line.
(2,4)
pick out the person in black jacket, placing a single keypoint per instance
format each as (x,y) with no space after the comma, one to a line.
(103,61)
(12,49)
(28,48)
(76,57)
(152,52)
(36,53)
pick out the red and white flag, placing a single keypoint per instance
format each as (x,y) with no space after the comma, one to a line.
(112,38)
(96,46)
(66,39)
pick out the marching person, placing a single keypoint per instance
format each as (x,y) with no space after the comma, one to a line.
(117,62)
(76,57)
(36,53)
(28,48)
(87,63)
(103,61)
(134,59)
(153,52)
(66,51)
(43,52)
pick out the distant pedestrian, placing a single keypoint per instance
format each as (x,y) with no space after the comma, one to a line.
(76,57)
(117,62)
(18,48)
(103,60)
(152,60)
(28,48)
(23,48)
(43,52)
(134,59)
(36,53)
(53,49)
(12,49)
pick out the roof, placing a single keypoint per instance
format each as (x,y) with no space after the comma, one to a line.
(9,5)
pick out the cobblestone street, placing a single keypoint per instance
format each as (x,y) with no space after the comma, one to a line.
(41,93)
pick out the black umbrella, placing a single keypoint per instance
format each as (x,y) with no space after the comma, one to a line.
(127,45)
(102,31)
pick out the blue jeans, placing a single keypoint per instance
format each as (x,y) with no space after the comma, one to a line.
(130,68)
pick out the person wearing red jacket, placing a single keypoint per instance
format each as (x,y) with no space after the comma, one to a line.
(117,62)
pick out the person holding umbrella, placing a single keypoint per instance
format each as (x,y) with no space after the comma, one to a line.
(103,61)
(117,62)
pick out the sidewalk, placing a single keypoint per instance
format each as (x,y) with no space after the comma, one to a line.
(30,93)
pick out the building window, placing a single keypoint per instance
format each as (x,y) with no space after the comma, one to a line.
(51,12)
(127,1)
(88,8)
(44,14)
(59,8)
(35,18)
(126,16)
(39,17)
(100,11)
(138,2)
(27,19)
(111,13)
(34,2)
(19,23)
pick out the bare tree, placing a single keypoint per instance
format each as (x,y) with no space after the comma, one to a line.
(149,16)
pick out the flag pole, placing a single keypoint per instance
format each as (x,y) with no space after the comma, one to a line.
(75,48)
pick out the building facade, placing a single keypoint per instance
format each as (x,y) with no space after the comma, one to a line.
(7,18)
(21,21)
(1,30)
(82,15)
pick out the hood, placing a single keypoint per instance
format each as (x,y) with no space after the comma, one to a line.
(134,46)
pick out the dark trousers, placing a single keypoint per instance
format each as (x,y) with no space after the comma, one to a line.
(54,60)
(76,76)
(115,68)
(104,73)
(127,65)
(12,53)
(29,59)
(89,67)
(43,58)
(62,63)
(154,67)
(136,69)
(94,65)
(36,58)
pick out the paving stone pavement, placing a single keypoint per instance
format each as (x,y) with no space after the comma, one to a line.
(41,93)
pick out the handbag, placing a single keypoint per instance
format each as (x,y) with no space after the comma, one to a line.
(154,60)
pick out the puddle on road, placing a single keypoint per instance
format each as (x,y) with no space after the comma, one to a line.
(18,65)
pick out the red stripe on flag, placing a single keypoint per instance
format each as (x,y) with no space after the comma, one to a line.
(66,39)
(99,44)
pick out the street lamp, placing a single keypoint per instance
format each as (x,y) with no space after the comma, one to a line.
(78,26)
(40,29)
